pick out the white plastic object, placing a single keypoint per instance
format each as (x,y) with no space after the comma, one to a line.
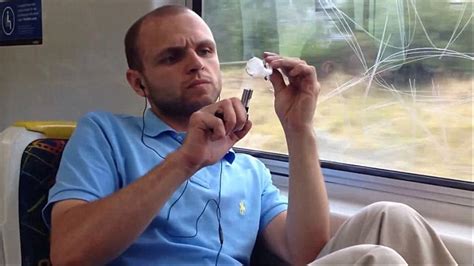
(257,68)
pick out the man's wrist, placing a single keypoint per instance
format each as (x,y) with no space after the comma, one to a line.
(184,161)
(299,130)
(301,137)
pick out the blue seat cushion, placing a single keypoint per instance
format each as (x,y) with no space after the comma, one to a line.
(39,164)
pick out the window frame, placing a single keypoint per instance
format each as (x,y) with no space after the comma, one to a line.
(279,166)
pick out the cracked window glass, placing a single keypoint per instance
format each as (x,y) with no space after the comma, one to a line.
(396,75)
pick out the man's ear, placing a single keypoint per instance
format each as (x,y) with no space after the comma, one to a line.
(134,78)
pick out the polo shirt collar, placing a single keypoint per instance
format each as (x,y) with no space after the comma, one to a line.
(154,127)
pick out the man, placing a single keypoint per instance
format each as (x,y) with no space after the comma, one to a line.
(169,189)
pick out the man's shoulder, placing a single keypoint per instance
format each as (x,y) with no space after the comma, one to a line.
(102,123)
(248,160)
(100,115)
(105,119)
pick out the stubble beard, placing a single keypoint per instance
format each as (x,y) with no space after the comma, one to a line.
(179,108)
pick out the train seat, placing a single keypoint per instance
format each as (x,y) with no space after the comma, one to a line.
(30,153)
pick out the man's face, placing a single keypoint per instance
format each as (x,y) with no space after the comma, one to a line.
(180,64)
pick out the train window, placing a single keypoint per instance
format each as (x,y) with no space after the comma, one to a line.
(397,77)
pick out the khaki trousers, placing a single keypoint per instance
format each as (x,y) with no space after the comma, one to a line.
(385,233)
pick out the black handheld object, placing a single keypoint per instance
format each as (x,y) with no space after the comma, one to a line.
(246,96)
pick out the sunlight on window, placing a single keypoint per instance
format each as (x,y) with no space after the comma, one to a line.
(397,77)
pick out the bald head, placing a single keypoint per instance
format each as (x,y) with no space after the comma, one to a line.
(132,47)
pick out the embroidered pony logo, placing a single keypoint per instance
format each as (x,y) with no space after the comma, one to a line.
(242,208)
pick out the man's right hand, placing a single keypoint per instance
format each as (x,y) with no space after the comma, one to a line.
(209,137)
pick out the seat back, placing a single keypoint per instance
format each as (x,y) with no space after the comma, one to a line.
(39,164)
(29,158)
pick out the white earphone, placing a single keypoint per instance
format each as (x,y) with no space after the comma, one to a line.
(257,68)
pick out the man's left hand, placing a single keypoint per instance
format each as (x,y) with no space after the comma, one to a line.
(295,100)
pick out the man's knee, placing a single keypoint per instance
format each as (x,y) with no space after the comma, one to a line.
(392,208)
(383,255)
(365,254)
(376,255)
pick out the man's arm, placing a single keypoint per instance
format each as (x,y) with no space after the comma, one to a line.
(299,234)
(94,233)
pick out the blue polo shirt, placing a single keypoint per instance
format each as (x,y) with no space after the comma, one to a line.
(105,154)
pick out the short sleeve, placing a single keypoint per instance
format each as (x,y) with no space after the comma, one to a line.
(273,203)
(87,170)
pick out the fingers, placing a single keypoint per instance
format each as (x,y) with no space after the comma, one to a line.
(299,73)
(292,67)
(224,118)
(276,78)
(233,115)
(206,122)
(236,116)
(301,69)
(238,135)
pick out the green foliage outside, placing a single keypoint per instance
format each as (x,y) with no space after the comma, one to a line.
(243,29)
(406,27)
